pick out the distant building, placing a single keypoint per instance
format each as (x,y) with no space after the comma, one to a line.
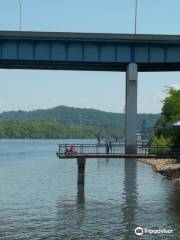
(139,139)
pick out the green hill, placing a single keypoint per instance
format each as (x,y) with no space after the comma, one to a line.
(77,116)
(42,129)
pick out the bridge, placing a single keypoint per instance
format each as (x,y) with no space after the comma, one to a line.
(88,51)
(94,52)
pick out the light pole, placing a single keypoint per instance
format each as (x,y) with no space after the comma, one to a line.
(136,8)
(20,15)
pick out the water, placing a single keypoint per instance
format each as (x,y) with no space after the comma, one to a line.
(39,198)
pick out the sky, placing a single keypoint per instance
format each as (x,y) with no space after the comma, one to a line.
(35,89)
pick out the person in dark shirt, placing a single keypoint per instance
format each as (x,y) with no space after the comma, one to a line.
(110,146)
(107,147)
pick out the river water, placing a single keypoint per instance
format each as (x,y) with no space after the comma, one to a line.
(39,197)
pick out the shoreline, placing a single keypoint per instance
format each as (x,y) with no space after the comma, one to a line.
(167,167)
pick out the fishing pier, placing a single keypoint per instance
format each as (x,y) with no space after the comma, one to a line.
(81,152)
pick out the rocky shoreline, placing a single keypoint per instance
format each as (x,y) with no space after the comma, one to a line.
(168,167)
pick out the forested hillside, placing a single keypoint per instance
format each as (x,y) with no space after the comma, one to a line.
(77,116)
(41,129)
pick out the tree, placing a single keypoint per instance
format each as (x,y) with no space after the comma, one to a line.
(169,115)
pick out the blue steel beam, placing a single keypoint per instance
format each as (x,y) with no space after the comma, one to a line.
(88,51)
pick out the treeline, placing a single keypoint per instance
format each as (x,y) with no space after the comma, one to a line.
(43,129)
(170,114)
(73,116)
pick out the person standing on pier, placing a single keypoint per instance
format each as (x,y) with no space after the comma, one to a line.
(110,146)
(107,147)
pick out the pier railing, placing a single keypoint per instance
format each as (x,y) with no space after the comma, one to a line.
(116,149)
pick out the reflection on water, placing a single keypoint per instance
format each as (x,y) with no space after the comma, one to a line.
(174,200)
(80,196)
(130,195)
(40,199)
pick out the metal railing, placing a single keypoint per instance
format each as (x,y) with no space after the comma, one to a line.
(117,149)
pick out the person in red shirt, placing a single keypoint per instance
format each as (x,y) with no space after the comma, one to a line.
(72,150)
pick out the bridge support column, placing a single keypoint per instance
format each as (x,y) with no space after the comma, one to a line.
(81,161)
(131,108)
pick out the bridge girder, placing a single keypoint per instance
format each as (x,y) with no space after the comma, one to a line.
(88,51)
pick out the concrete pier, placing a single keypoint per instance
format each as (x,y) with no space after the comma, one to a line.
(81,161)
(131,107)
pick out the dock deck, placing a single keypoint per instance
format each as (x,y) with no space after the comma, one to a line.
(116,150)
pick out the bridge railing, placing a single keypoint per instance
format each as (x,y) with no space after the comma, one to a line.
(117,149)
